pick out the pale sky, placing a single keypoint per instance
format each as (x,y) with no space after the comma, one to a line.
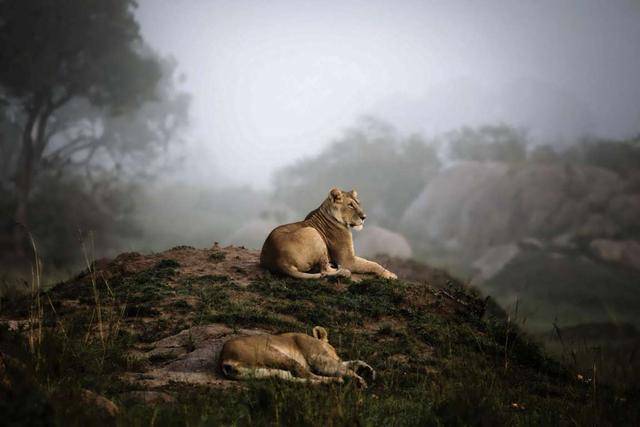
(274,81)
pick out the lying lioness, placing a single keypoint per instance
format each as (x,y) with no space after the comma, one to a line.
(306,249)
(291,356)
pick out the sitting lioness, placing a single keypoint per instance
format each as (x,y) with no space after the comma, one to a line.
(290,356)
(306,249)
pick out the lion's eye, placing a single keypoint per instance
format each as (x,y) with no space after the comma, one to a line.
(351,206)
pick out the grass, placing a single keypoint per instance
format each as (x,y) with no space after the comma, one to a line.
(440,358)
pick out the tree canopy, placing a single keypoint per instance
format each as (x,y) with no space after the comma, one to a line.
(499,143)
(387,169)
(54,51)
(69,67)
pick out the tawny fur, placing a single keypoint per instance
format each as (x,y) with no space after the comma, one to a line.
(290,356)
(307,249)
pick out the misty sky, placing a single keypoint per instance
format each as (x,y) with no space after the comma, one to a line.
(273,81)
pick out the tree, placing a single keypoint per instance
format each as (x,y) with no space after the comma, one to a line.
(499,143)
(86,140)
(57,52)
(389,171)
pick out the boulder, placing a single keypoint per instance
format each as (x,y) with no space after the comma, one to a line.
(626,252)
(374,240)
(471,207)
(444,204)
(624,209)
(564,242)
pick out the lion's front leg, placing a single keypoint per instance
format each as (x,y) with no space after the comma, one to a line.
(361,265)
(324,365)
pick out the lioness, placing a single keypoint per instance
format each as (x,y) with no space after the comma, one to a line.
(323,237)
(290,356)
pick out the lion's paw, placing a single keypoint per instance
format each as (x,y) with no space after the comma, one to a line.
(388,275)
(343,272)
(360,382)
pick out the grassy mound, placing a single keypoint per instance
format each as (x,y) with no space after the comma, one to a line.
(440,358)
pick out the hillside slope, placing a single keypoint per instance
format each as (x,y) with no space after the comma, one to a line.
(136,340)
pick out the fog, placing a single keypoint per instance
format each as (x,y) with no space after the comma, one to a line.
(273,82)
(150,148)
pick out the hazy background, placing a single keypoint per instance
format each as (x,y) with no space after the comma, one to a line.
(276,81)
(498,140)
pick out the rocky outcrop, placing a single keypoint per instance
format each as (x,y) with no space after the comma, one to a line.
(447,209)
(625,252)
(189,357)
(472,207)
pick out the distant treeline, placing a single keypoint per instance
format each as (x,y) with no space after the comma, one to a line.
(390,170)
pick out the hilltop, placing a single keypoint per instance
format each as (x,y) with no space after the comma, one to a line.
(136,339)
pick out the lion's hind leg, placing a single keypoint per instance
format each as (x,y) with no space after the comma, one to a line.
(264,373)
(237,371)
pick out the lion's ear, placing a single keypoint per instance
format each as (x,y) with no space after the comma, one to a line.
(320,333)
(335,194)
(354,193)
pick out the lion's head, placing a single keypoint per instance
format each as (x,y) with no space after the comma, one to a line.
(346,208)
(321,334)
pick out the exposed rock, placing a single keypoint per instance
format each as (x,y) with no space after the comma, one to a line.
(471,207)
(625,209)
(190,356)
(374,240)
(626,252)
(564,241)
(161,378)
(445,206)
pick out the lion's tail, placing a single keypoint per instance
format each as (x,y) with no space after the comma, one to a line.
(294,272)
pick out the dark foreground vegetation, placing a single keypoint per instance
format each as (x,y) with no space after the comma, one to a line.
(117,344)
